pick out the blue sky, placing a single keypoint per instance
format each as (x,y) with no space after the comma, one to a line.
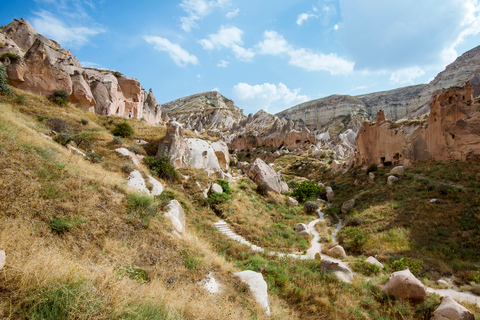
(263,54)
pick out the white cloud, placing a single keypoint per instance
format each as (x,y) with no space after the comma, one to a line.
(88,64)
(232,14)
(216,89)
(274,44)
(267,96)
(335,27)
(50,26)
(223,64)
(406,76)
(230,38)
(179,55)
(197,10)
(304,17)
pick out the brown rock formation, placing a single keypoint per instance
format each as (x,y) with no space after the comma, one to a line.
(451,132)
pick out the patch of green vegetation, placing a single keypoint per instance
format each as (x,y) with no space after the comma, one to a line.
(123,130)
(146,310)
(133,273)
(4,88)
(306,191)
(60,96)
(225,186)
(353,239)
(12,56)
(141,205)
(61,225)
(63,138)
(310,207)
(162,167)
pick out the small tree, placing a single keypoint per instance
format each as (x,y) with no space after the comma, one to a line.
(123,130)
(305,191)
(161,167)
(60,96)
(4,88)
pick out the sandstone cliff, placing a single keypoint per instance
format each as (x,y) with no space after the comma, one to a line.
(43,66)
(451,132)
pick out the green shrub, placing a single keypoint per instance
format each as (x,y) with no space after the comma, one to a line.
(20,98)
(127,168)
(84,121)
(365,268)
(94,157)
(414,266)
(161,167)
(117,74)
(60,96)
(12,56)
(135,149)
(40,118)
(57,124)
(165,198)
(4,88)
(84,139)
(262,189)
(225,186)
(145,310)
(254,263)
(138,201)
(353,239)
(305,191)
(117,140)
(372,168)
(60,225)
(133,273)
(232,163)
(123,130)
(310,206)
(63,138)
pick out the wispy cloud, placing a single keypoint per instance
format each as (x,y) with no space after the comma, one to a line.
(304,17)
(407,75)
(197,10)
(179,55)
(88,64)
(232,14)
(230,38)
(274,44)
(47,24)
(267,96)
(223,64)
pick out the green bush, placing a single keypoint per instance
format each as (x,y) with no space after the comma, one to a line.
(133,273)
(225,186)
(414,266)
(372,168)
(310,206)
(123,130)
(306,191)
(60,225)
(262,189)
(63,138)
(12,56)
(4,88)
(57,124)
(353,239)
(94,157)
(84,121)
(20,99)
(60,96)
(127,168)
(365,268)
(117,140)
(161,167)
(40,118)
(117,74)
(232,163)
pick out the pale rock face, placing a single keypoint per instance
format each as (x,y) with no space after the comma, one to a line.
(81,92)
(449,309)
(176,215)
(127,153)
(398,170)
(337,252)
(404,286)
(211,284)
(347,206)
(136,182)
(330,194)
(292,202)
(157,188)
(257,285)
(300,227)
(371,177)
(261,172)
(391,180)
(2,259)
(374,261)
(304,234)
(340,269)
(200,154)
(173,144)
(216,188)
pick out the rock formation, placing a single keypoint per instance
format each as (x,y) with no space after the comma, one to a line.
(260,172)
(451,132)
(404,286)
(449,309)
(176,215)
(44,66)
(257,285)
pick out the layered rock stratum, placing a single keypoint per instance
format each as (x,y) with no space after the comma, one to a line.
(43,66)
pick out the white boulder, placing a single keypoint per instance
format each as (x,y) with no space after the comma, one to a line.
(391,180)
(330,194)
(176,215)
(292,202)
(2,259)
(374,261)
(449,309)
(216,188)
(398,170)
(157,188)
(261,172)
(136,182)
(347,206)
(257,285)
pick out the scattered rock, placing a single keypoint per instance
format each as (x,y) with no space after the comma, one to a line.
(374,261)
(391,180)
(136,182)
(261,172)
(301,227)
(437,201)
(2,259)
(371,177)
(71,148)
(292,202)
(157,188)
(449,309)
(336,165)
(330,194)
(355,221)
(216,188)
(337,252)
(135,158)
(177,215)
(398,170)
(257,285)
(347,206)
(210,284)
(304,234)
(404,286)
(444,283)
(340,269)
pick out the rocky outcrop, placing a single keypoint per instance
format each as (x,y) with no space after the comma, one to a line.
(260,172)
(337,252)
(449,309)
(176,215)
(451,132)
(257,285)
(44,66)
(404,286)
(372,260)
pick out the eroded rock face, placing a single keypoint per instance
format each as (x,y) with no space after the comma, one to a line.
(347,206)
(136,182)
(176,215)
(257,285)
(44,66)
(261,172)
(374,261)
(449,309)
(451,132)
(337,252)
(404,286)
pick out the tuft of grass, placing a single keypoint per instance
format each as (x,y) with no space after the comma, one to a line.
(61,225)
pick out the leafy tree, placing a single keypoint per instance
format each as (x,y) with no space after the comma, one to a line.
(123,130)
(305,191)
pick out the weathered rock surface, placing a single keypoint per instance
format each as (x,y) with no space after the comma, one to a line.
(259,172)
(347,206)
(257,285)
(374,261)
(176,215)
(136,182)
(44,66)
(399,170)
(330,193)
(292,202)
(301,227)
(216,188)
(340,269)
(404,286)
(449,309)
(451,132)
(2,259)
(132,155)
(337,252)
(391,180)
(157,187)
(211,284)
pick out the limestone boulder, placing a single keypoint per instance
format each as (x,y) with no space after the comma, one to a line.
(347,206)
(398,170)
(372,260)
(173,144)
(157,187)
(135,182)
(127,153)
(337,252)
(2,259)
(449,309)
(301,227)
(371,177)
(261,172)
(339,268)
(200,154)
(304,234)
(330,194)
(404,286)
(391,180)
(216,188)
(257,286)
(176,215)
(292,202)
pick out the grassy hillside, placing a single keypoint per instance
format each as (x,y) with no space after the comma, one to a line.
(79,245)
